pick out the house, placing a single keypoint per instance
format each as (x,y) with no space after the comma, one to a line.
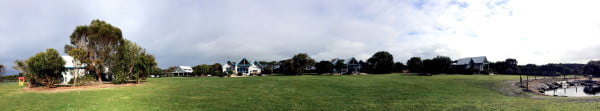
(182,71)
(244,67)
(476,64)
(73,68)
(352,66)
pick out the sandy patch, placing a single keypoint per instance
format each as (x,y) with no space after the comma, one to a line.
(78,88)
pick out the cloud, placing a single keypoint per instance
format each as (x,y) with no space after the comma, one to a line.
(205,32)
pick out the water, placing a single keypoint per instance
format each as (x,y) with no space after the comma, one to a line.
(573,91)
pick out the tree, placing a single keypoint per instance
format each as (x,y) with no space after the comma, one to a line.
(201,69)
(125,61)
(593,68)
(415,65)
(399,67)
(46,66)
(508,66)
(2,71)
(99,40)
(324,67)
(339,65)
(217,69)
(439,64)
(144,66)
(381,62)
(297,65)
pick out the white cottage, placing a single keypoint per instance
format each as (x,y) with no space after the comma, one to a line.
(244,67)
(73,68)
(183,71)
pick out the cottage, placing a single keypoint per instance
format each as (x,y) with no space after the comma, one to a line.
(73,68)
(476,64)
(352,66)
(244,67)
(182,71)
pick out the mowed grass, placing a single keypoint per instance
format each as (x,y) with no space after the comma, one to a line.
(361,92)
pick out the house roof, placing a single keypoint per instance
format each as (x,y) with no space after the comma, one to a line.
(464,61)
(351,61)
(244,62)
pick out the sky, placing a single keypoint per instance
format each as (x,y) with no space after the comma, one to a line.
(192,32)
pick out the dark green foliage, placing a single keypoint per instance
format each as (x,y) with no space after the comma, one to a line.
(509,66)
(339,66)
(381,62)
(439,64)
(324,67)
(415,65)
(200,70)
(217,70)
(2,71)
(297,65)
(399,67)
(45,67)
(592,68)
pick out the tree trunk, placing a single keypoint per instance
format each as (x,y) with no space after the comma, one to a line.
(75,77)
(99,76)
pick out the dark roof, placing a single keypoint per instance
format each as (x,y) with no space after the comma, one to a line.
(244,62)
(464,61)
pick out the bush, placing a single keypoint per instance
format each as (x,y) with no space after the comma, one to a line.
(85,80)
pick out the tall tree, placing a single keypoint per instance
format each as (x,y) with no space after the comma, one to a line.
(415,65)
(46,66)
(125,61)
(144,65)
(381,62)
(99,40)
(324,67)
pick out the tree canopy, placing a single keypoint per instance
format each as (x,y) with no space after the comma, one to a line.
(46,67)
(415,65)
(381,62)
(324,67)
(439,64)
(99,41)
(297,65)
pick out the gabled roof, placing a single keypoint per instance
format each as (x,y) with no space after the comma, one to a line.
(351,61)
(230,63)
(243,62)
(258,64)
(464,61)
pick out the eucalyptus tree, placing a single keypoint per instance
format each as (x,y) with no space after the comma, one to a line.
(144,65)
(99,41)
(125,61)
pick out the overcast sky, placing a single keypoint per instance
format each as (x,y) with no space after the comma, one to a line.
(192,32)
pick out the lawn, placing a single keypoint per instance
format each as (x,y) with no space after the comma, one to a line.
(360,92)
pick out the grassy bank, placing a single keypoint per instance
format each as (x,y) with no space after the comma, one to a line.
(363,92)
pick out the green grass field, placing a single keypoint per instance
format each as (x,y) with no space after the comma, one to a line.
(361,92)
